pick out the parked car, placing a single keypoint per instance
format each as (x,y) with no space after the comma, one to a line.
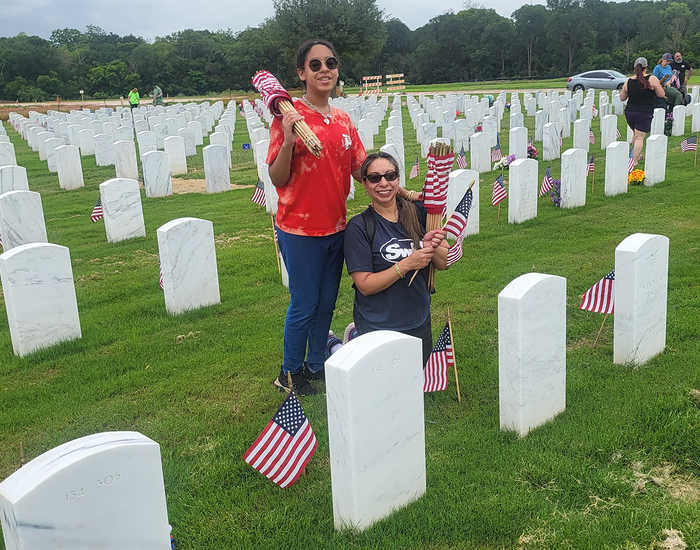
(606,80)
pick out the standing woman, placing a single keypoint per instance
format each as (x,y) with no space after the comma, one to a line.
(311,211)
(641,92)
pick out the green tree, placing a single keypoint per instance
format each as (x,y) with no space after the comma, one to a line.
(530,25)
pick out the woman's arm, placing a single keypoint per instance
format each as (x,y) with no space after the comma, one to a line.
(623,92)
(373,283)
(281,167)
(656,86)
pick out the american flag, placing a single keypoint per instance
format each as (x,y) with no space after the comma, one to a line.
(259,194)
(4,247)
(440,360)
(594,111)
(496,153)
(462,159)
(689,144)
(160,279)
(414,170)
(590,167)
(285,446)
(499,191)
(455,252)
(630,164)
(591,137)
(457,223)
(617,133)
(600,298)
(271,91)
(547,182)
(97,212)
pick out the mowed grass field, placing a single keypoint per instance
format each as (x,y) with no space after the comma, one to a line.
(615,470)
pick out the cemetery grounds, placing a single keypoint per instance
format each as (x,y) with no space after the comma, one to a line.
(618,469)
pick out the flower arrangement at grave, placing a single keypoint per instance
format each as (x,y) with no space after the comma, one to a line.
(635,177)
(531,152)
(668,124)
(504,163)
(555,193)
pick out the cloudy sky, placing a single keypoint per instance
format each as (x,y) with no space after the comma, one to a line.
(146,19)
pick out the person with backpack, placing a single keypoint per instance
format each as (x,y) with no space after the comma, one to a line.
(384,245)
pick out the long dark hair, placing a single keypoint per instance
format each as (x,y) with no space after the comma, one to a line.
(643,79)
(408,215)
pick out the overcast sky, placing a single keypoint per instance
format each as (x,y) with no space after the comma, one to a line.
(151,19)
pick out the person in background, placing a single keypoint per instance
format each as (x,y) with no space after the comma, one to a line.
(134,98)
(311,212)
(383,247)
(684,71)
(641,92)
(157,95)
(664,73)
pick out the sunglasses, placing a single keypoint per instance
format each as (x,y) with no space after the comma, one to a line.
(376,178)
(316,64)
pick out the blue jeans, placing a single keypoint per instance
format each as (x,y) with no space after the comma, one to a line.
(315,265)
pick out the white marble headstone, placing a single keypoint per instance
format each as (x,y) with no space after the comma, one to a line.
(216,171)
(70,168)
(641,289)
(655,159)
(657,122)
(175,149)
(551,142)
(522,190)
(7,154)
(121,204)
(156,175)
(188,263)
(480,152)
(608,131)
(518,142)
(376,431)
(37,284)
(616,168)
(581,139)
(13,178)
(100,491)
(531,351)
(21,219)
(573,178)
(125,160)
(678,127)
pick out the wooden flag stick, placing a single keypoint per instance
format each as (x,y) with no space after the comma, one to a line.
(498,217)
(277,250)
(22,460)
(454,355)
(695,156)
(600,330)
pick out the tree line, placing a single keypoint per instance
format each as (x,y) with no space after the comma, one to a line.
(559,39)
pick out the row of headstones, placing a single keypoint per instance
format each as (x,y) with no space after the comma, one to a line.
(157,166)
(377,459)
(37,278)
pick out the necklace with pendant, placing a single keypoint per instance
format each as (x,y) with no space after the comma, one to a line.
(326,116)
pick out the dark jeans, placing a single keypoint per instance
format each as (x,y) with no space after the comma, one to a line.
(314,265)
(424,332)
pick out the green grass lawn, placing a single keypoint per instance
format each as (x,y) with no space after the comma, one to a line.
(619,466)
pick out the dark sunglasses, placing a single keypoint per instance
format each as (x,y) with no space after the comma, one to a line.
(376,178)
(316,64)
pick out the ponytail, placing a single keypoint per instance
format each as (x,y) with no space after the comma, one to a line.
(643,79)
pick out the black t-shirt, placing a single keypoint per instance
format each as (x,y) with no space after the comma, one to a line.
(681,68)
(399,307)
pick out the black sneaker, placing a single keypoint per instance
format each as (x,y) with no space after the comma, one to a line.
(301,385)
(309,375)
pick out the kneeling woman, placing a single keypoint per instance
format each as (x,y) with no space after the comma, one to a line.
(383,246)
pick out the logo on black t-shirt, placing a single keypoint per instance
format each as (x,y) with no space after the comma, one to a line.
(396,250)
